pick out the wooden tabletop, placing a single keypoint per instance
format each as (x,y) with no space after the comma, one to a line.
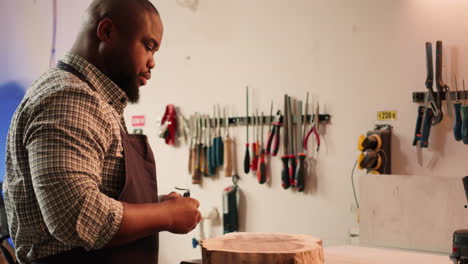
(368,255)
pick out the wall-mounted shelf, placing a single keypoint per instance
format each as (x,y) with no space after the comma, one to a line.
(419,97)
(324,118)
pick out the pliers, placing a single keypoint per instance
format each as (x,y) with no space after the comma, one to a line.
(434,100)
(274,136)
(314,129)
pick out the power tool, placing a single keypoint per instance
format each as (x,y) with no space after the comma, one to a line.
(460,238)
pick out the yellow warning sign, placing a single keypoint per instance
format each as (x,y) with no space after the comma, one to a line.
(386,115)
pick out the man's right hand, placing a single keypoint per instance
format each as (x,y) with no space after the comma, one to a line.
(183,213)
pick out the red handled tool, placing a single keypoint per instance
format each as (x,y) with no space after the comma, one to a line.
(286,149)
(315,127)
(301,156)
(261,171)
(274,136)
(254,163)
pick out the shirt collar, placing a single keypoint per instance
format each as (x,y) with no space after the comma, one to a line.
(105,87)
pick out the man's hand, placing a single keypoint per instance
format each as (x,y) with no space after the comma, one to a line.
(183,212)
(167,197)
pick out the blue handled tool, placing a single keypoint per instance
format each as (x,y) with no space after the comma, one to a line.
(457,121)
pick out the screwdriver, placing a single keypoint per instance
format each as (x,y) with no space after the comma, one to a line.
(261,172)
(286,149)
(220,147)
(300,168)
(457,120)
(203,149)
(254,163)
(191,152)
(270,133)
(196,179)
(210,154)
(228,149)
(247,154)
(292,155)
(464,117)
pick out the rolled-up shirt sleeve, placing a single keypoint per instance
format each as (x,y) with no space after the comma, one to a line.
(66,144)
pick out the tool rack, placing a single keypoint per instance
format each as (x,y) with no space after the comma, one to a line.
(323,118)
(419,97)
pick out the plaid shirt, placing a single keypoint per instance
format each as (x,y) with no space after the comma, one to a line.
(64,163)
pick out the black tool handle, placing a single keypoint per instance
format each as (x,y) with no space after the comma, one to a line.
(430,67)
(426,127)
(247,159)
(261,170)
(417,131)
(439,83)
(276,141)
(285,172)
(465,186)
(457,125)
(220,151)
(292,169)
(300,172)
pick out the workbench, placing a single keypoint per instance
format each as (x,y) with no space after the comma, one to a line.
(369,255)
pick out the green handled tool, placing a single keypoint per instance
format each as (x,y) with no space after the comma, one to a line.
(464,118)
(457,121)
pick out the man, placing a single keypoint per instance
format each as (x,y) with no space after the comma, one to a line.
(78,188)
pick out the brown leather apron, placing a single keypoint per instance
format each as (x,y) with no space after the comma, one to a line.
(140,187)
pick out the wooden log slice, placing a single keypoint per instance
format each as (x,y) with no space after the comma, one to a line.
(262,248)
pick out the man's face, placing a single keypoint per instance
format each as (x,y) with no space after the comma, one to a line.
(132,58)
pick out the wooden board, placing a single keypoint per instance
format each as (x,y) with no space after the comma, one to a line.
(259,248)
(366,255)
(411,212)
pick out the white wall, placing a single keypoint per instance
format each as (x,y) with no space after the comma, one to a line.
(358,57)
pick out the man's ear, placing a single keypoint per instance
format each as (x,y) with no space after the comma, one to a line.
(105,29)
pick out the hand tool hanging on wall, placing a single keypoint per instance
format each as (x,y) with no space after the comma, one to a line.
(247,154)
(261,172)
(292,143)
(432,99)
(220,146)
(254,164)
(196,176)
(274,135)
(227,148)
(301,166)
(464,117)
(203,149)
(210,151)
(417,141)
(192,139)
(218,141)
(441,86)
(286,147)
(457,119)
(430,114)
(315,127)
(270,130)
